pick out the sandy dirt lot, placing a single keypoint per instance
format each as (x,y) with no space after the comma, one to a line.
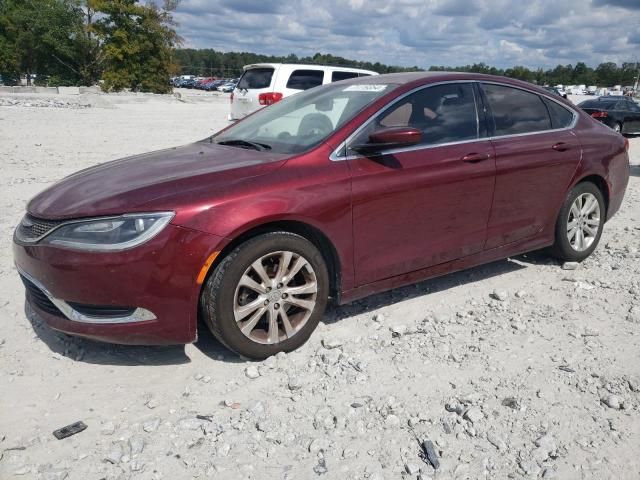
(517,369)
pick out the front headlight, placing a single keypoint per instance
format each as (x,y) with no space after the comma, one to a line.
(109,233)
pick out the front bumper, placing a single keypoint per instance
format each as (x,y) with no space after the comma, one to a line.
(80,293)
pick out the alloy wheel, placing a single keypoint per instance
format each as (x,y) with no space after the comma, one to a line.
(583,222)
(275,297)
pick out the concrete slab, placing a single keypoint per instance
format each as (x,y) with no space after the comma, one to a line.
(69,90)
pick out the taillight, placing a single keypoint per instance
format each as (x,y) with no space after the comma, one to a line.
(231,97)
(269,98)
(599,115)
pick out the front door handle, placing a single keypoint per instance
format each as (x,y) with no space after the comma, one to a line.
(476,157)
(561,147)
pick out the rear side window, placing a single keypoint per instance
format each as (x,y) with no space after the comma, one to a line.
(305,79)
(337,76)
(256,78)
(516,111)
(560,116)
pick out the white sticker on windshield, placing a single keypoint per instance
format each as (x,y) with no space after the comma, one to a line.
(365,88)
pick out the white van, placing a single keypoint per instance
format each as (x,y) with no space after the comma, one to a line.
(263,84)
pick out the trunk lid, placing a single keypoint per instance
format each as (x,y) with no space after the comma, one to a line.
(255,80)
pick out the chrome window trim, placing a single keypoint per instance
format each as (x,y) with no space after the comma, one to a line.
(138,315)
(336,153)
(549,97)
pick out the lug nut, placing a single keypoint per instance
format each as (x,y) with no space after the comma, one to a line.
(279,285)
(276,306)
(268,289)
(266,302)
(284,295)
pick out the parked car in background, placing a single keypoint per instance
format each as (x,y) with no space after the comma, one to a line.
(201,83)
(555,91)
(263,84)
(228,87)
(591,90)
(620,113)
(337,192)
(213,86)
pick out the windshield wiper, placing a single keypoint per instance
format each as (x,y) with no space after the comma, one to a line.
(246,144)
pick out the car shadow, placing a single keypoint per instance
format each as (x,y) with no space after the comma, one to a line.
(93,352)
(438,284)
(99,353)
(212,348)
(634,170)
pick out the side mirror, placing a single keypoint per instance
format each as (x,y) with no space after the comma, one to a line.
(392,137)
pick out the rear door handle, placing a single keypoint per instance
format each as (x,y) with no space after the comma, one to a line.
(562,147)
(476,157)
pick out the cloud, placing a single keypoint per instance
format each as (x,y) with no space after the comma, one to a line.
(631,4)
(502,33)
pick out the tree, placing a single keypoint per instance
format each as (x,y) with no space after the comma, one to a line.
(38,37)
(137,44)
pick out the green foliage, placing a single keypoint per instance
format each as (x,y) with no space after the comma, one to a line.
(76,42)
(605,75)
(36,36)
(137,44)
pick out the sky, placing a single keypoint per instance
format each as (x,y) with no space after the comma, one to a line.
(501,33)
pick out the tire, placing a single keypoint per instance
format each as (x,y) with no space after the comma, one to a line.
(617,127)
(224,296)
(568,247)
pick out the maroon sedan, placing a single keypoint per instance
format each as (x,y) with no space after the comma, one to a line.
(338,192)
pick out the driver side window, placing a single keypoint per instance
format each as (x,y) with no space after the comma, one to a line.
(443,113)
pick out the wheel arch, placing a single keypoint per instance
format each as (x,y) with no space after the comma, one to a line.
(311,233)
(602,185)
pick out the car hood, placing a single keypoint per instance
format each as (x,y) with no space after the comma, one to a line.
(133,183)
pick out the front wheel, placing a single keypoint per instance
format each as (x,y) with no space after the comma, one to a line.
(267,295)
(580,223)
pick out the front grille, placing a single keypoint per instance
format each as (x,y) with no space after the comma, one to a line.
(39,299)
(32,228)
(105,311)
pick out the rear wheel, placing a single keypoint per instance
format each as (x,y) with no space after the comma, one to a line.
(267,295)
(617,127)
(580,223)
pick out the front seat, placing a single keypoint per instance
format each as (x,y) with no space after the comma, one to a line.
(315,125)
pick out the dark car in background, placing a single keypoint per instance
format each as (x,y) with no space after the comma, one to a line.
(332,194)
(621,114)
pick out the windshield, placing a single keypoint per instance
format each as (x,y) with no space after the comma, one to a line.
(302,121)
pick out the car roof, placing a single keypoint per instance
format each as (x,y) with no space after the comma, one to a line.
(598,103)
(419,78)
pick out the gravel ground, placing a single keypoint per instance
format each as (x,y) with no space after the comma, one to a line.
(517,369)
